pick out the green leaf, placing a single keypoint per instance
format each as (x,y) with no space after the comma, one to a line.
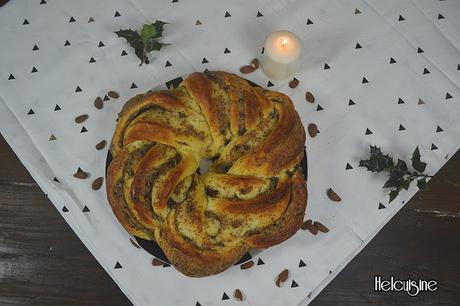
(393,194)
(134,40)
(396,178)
(377,161)
(405,184)
(153,30)
(401,166)
(153,45)
(417,164)
(421,184)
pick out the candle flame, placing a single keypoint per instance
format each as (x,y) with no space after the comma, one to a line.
(284,42)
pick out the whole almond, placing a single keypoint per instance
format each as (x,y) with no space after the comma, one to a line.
(310,98)
(282,277)
(247,265)
(134,243)
(113,94)
(312,229)
(305,224)
(293,83)
(255,63)
(312,130)
(81,118)
(238,295)
(98,103)
(101,145)
(80,174)
(156,262)
(333,196)
(247,69)
(321,227)
(97,183)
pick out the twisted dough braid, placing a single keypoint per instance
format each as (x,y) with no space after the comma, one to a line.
(253,195)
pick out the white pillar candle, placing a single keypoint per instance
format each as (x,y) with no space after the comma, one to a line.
(281,55)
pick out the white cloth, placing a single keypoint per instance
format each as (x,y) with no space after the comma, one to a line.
(427,35)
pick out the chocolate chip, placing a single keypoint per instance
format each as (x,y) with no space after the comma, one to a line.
(81,118)
(312,130)
(293,83)
(98,103)
(101,145)
(310,98)
(97,183)
(113,94)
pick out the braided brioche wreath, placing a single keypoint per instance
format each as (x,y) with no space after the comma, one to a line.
(252,196)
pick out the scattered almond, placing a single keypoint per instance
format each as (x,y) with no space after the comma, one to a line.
(134,243)
(255,63)
(310,98)
(113,94)
(247,69)
(81,118)
(282,277)
(312,130)
(293,83)
(311,228)
(321,227)
(247,265)
(97,183)
(305,224)
(101,145)
(333,196)
(156,262)
(80,174)
(98,103)
(238,295)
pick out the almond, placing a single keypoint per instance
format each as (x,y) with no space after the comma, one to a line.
(312,229)
(101,145)
(98,103)
(282,277)
(255,63)
(321,227)
(246,69)
(134,243)
(305,224)
(312,130)
(156,262)
(238,295)
(80,174)
(293,83)
(113,94)
(247,265)
(310,98)
(333,196)
(97,183)
(81,118)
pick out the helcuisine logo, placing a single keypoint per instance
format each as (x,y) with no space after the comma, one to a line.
(411,286)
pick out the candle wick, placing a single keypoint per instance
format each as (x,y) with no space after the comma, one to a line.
(284,42)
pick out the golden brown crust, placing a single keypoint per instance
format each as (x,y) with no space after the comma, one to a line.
(253,196)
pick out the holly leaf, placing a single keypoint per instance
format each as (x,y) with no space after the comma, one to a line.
(134,40)
(153,45)
(152,31)
(417,164)
(401,166)
(421,184)
(393,194)
(377,161)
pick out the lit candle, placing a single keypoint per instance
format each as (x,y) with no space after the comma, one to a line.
(281,55)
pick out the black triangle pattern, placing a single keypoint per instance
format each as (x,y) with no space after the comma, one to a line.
(78,89)
(42,2)
(381,206)
(270,84)
(425,71)
(263,50)
(11,77)
(368,132)
(259,14)
(433,147)
(400,101)
(458,67)
(67,43)
(174,83)
(227,14)
(64,209)
(86,209)
(448,96)
(294,284)
(168,64)
(31,112)
(118,266)
(401,127)
(260,262)
(392,61)
(197,304)
(35,48)
(351,102)
(365,81)
(25,22)
(439,129)
(348,167)
(117,14)
(123,53)
(401,18)
(326,66)
(101,44)
(226,51)
(106,98)
(56,180)
(83,130)
(319,108)
(34,70)
(72,19)
(419,50)
(133,85)
(91,19)
(302,264)
(175,1)
(92,60)
(204,61)
(57,107)
(309,22)
(225,297)
(357,11)
(358,46)
(440,16)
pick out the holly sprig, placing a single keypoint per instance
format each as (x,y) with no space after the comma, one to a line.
(145,41)
(400,176)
